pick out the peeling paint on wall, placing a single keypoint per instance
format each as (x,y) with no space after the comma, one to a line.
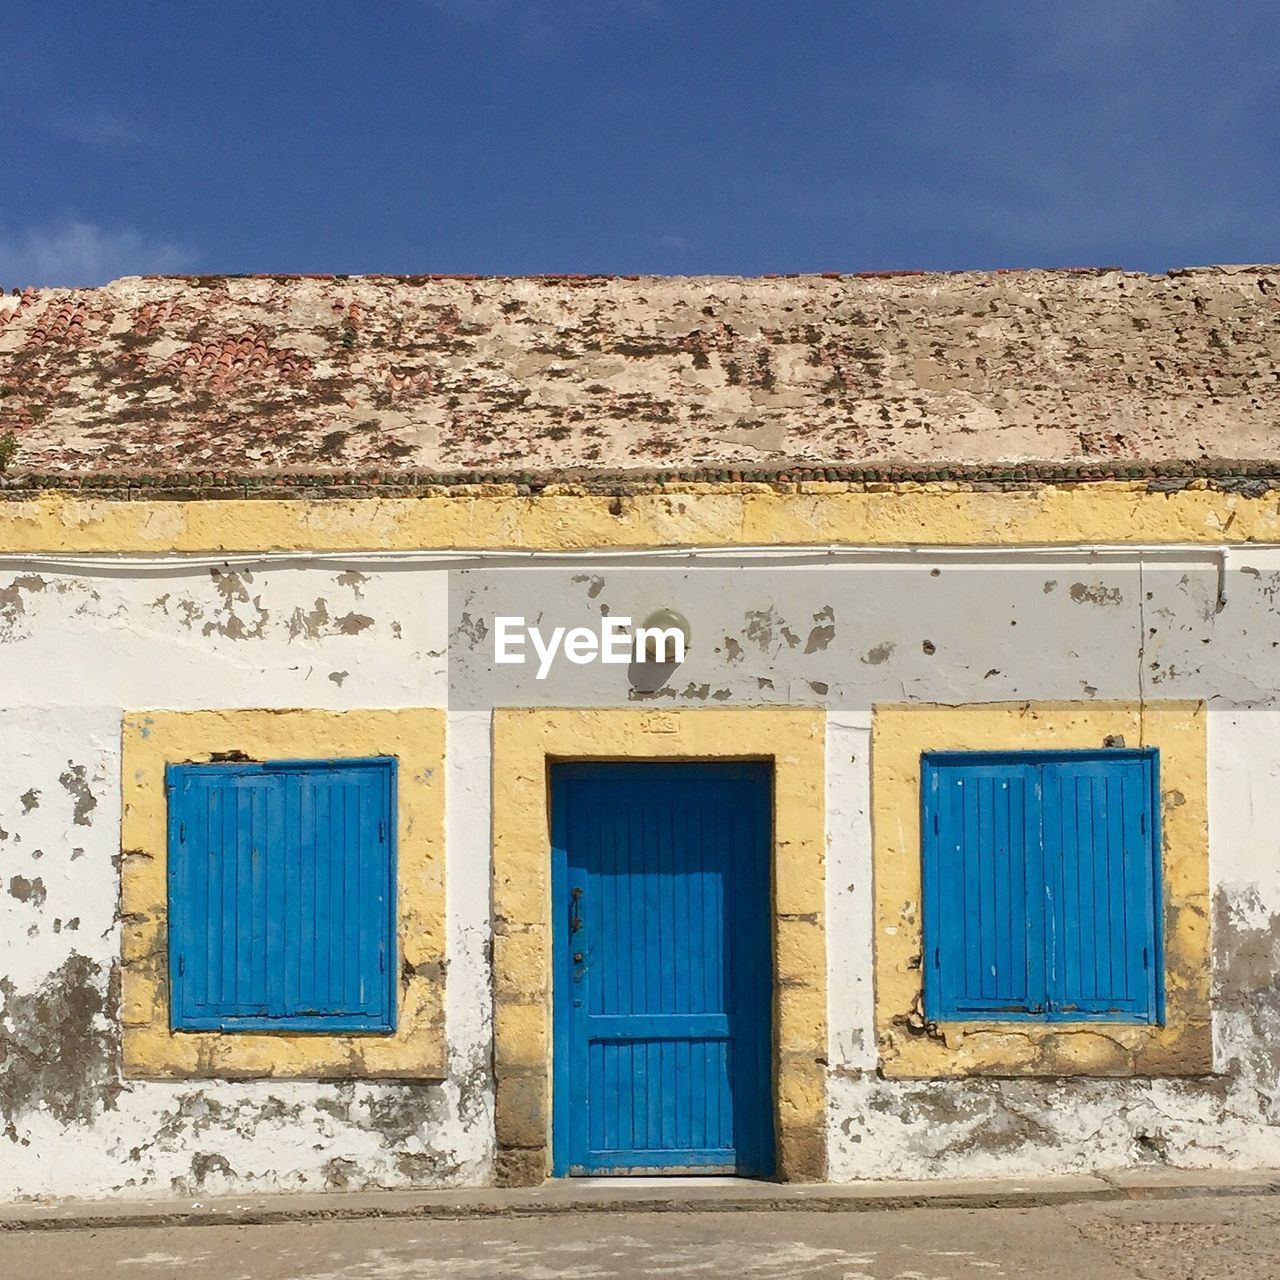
(76,1128)
(213,637)
(72,780)
(71,1125)
(59,1045)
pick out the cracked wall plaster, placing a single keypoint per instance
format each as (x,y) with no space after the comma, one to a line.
(137,638)
(71,1126)
(901,627)
(263,636)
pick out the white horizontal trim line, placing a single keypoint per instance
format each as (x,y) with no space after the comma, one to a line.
(872,556)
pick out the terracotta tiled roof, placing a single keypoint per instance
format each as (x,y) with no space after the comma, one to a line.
(404,376)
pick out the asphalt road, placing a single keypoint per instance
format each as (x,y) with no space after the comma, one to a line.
(1193,1239)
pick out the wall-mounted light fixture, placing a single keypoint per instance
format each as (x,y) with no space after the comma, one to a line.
(660,631)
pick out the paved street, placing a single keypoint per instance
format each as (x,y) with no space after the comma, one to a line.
(1192,1239)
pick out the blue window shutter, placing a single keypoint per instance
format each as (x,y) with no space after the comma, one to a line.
(985,937)
(282,896)
(1101,859)
(1041,876)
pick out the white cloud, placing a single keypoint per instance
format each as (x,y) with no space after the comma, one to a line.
(100,128)
(539,29)
(81,253)
(540,25)
(563,10)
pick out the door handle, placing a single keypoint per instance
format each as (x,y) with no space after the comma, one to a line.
(575,910)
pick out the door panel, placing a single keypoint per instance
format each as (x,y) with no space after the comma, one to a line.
(663,974)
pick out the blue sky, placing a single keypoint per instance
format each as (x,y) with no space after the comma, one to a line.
(675,136)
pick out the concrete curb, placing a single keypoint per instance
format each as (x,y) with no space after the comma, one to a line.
(679,1197)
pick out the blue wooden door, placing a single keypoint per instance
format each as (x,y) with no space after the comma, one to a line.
(663,980)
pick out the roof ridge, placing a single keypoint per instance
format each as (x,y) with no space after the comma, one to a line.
(559,277)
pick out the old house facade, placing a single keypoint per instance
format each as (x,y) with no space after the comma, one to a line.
(947,847)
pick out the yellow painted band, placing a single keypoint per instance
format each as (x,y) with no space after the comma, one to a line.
(524,741)
(151,739)
(497,518)
(1183,1045)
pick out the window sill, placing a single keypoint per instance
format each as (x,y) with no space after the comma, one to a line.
(1037,1048)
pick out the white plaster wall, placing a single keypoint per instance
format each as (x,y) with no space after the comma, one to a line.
(79,646)
(468,1007)
(75,1129)
(988,1128)
(851,971)
(330,634)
